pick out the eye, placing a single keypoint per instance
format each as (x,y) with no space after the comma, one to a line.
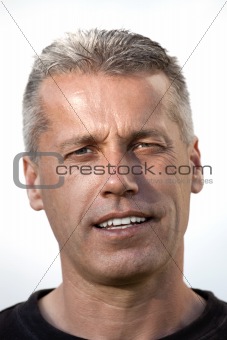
(143,145)
(154,146)
(82,151)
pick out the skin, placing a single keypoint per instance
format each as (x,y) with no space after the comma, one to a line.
(123,284)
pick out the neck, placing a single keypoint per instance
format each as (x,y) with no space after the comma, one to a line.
(151,309)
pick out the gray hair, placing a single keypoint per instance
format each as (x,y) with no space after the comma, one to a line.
(114,52)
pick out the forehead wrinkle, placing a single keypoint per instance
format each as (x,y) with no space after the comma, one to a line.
(93,138)
(101,127)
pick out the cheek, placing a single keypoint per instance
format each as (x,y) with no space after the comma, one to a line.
(179,191)
(175,194)
(66,206)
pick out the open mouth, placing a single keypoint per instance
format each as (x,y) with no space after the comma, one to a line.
(122,223)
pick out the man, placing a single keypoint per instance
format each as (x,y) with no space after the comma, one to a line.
(114,108)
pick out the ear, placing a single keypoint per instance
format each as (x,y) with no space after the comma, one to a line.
(32,178)
(196,167)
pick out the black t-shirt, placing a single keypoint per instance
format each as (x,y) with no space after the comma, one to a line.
(24,321)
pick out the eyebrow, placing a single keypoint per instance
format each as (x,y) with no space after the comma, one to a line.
(77,141)
(144,133)
(94,140)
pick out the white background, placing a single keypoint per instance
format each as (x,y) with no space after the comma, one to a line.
(27,247)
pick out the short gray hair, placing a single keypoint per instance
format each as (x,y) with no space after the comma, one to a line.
(114,52)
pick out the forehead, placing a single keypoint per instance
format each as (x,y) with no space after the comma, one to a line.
(103,103)
(60,85)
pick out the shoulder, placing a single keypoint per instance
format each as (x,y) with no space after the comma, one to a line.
(212,301)
(16,321)
(24,321)
(212,324)
(9,322)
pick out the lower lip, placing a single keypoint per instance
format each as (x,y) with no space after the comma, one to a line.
(127,232)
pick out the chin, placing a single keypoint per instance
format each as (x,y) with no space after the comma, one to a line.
(126,272)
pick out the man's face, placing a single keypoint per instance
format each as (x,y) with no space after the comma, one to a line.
(96,120)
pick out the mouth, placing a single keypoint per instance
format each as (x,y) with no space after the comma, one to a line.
(122,223)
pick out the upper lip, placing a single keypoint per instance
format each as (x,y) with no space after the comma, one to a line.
(121,215)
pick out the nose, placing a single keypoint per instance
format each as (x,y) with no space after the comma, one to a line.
(120,181)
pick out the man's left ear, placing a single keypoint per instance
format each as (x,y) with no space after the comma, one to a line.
(196,167)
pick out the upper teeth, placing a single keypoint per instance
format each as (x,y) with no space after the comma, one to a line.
(120,221)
